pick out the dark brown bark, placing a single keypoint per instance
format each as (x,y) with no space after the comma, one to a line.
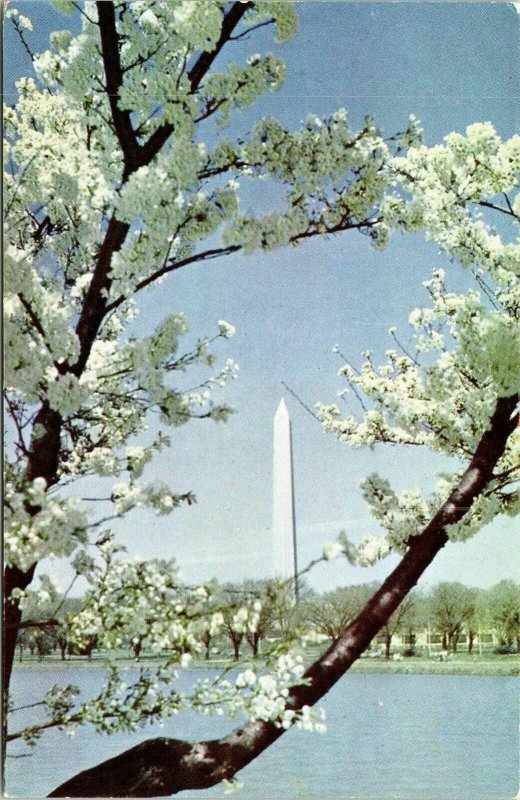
(95,302)
(13,578)
(206,639)
(110,48)
(236,641)
(162,766)
(254,643)
(42,463)
(45,445)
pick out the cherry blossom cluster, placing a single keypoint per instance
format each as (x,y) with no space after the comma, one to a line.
(260,695)
(131,601)
(440,391)
(57,528)
(445,190)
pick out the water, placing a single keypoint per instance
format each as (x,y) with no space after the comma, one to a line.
(438,737)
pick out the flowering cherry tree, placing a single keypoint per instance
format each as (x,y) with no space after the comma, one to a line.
(109,189)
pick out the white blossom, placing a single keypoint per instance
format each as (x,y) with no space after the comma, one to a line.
(332,550)
(226,330)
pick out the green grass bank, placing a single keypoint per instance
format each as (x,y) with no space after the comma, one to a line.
(459,664)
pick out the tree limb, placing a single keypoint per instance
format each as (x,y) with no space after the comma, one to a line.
(110,49)
(171,266)
(94,306)
(162,766)
(195,76)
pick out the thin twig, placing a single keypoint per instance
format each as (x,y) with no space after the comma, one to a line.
(299,400)
(23,40)
(67,590)
(12,414)
(509,211)
(245,34)
(403,348)
(171,267)
(29,705)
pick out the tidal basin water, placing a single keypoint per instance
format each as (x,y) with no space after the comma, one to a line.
(414,737)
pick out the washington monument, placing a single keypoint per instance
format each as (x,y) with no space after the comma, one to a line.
(285,564)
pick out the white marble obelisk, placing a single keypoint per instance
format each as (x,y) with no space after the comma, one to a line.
(284,529)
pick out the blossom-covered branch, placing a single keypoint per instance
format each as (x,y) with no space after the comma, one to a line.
(166,766)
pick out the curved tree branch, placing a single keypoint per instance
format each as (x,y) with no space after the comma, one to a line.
(171,266)
(206,255)
(162,766)
(94,306)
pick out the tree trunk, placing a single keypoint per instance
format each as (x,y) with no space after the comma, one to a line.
(388,642)
(14,578)
(454,640)
(254,641)
(163,766)
(42,463)
(63,648)
(444,641)
(471,637)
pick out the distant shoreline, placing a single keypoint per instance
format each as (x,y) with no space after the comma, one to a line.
(427,667)
(510,666)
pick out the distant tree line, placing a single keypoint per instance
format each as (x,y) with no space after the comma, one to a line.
(448,611)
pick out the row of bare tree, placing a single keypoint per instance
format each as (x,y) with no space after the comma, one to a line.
(449,610)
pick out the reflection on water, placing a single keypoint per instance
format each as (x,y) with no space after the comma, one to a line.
(389,736)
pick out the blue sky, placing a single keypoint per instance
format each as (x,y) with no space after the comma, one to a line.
(450,64)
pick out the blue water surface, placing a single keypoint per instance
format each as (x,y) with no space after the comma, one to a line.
(426,737)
